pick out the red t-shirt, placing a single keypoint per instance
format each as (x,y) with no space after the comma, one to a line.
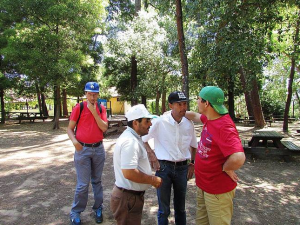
(87,128)
(219,139)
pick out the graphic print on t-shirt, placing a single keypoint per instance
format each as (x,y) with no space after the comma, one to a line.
(204,145)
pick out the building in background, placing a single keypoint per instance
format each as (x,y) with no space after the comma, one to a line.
(115,105)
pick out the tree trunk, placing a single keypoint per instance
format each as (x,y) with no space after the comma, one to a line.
(231,104)
(133,80)
(44,106)
(231,99)
(65,105)
(57,107)
(298,98)
(158,93)
(38,96)
(144,100)
(183,56)
(285,127)
(43,99)
(247,93)
(292,74)
(163,101)
(257,110)
(138,7)
(2,105)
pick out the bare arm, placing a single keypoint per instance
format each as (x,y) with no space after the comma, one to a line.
(191,169)
(101,124)
(152,157)
(139,177)
(70,132)
(193,116)
(234,162)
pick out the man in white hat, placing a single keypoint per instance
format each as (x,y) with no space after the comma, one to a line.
(132,168)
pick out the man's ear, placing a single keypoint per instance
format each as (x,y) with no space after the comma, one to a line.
(207,104)
(134,123)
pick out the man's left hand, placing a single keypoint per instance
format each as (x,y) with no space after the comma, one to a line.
(232,175)
(191,170)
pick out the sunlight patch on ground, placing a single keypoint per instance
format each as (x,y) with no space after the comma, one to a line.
(25,155)
(60,137)
(22,192)
(13,214)
(153,209)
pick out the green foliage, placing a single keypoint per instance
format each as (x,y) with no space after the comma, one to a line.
(147,41)
(52,44)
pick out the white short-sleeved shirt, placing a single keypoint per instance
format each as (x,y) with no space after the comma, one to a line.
(172,140)
(130,153)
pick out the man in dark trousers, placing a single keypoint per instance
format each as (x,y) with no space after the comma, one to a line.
(85,130)
(175,147)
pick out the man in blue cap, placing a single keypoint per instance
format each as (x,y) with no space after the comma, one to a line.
(87,124)
(219,154)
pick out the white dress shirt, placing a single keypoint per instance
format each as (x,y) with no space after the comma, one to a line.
(172,140)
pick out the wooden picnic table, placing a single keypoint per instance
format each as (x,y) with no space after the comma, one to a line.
(118,123)
(262,138)
(31,116)
(270,143)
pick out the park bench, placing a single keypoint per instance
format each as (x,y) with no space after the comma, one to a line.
(290,119)
(31,117)
(291,146)
(248,122)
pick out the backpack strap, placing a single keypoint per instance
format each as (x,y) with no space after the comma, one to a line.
(100,108)
(81,108)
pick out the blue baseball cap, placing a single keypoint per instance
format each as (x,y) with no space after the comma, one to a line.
(91,87)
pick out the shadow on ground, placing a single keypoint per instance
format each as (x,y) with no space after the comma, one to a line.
(37,181)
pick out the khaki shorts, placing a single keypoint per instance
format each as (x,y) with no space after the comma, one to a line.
(214,209)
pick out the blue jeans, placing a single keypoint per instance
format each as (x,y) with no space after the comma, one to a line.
(89,163)
(176,176)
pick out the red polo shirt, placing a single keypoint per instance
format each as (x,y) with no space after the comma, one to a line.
(87,128)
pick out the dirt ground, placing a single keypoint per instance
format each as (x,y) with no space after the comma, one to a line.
(37,180)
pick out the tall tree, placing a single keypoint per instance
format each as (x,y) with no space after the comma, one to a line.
(147,41)
(232,39)
(56,46)
(182,49)
(294,57)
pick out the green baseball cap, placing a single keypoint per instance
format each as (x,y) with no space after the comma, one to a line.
(215,96)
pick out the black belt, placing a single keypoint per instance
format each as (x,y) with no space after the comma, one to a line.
(182,163)
(91,145)
(131,191)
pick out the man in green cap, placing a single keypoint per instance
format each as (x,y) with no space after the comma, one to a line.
(218,155)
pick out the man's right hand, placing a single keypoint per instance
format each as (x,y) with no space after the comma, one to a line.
(77,146)
(156,181)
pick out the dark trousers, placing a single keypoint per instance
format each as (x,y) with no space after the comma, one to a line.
(176,177)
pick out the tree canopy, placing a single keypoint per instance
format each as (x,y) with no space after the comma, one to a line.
(248,48)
